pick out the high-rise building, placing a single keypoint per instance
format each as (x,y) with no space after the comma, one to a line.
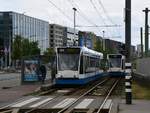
(12,23)
(56,35)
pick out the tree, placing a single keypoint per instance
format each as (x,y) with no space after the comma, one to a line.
(98,46)
(34,50)
(17,48)
(29,48)
(25,47)
(22,47)
(48,55)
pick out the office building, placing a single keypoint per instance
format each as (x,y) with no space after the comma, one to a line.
(69,38)
(12,23)
(56,35)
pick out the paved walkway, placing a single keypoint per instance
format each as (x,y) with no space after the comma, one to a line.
(138,106)
(14,93)
(10,94)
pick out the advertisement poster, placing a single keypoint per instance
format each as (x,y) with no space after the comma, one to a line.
(31,70)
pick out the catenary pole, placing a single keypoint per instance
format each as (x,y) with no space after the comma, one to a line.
(146,31)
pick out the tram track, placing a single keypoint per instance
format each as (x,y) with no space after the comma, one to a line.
(40,107)
(108,95)
(82,93)
(68,108)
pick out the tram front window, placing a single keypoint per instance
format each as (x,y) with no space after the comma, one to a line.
(68,62)
(115,62)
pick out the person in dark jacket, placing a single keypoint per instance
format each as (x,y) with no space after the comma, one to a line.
(43,73)
(53,70)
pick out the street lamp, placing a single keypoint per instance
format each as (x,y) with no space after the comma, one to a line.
(74,25)
(103,40)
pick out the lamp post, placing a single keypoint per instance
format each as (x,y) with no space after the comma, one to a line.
(74,25)
(103,40)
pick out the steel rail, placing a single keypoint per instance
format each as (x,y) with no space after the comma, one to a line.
(44,104)
(109,93)
(68,106)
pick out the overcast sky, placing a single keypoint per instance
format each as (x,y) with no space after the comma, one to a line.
(45,10)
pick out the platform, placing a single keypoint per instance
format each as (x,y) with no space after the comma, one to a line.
(138,106)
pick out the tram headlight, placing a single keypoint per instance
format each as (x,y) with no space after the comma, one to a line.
(75,76)
(60,75)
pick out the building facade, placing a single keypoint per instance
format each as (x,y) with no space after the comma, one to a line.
(112,45)
(69,38)
(87,39)
(56,35)
(12,24)
(118,47)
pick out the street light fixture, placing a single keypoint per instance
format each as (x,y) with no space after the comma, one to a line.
(103,40)
(74,25)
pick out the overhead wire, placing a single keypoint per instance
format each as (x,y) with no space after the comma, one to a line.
(101,26)
(80,12)
(82,15)
(105,11)
(60,10)
(99,14)
(107,15)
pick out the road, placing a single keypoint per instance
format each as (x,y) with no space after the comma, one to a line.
(14,79)
(10,79)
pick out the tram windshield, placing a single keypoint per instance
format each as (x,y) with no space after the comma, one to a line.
(115,61)
(68,59)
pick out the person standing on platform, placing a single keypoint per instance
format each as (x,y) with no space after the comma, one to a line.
(43,72)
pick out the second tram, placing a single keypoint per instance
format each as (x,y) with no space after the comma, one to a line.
(116,64)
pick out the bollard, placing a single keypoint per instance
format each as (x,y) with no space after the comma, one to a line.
(128,83)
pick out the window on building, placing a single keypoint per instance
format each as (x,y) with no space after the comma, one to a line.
(52,27)
(52,40)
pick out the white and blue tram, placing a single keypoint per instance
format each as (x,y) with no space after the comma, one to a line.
(116,64)
(77,65)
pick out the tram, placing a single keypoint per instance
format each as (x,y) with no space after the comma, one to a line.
(116,64)
(77,65)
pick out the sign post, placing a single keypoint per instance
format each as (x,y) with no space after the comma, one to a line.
(128,83)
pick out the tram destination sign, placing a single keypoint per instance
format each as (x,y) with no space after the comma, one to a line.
(115,56)
(69,50)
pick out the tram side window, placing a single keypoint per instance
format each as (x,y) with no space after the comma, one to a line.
(86,64)
(90,64)
(97,64)
(81,65)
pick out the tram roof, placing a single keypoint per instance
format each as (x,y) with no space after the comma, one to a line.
(85,50)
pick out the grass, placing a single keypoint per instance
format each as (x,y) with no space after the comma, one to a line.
(140,91)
